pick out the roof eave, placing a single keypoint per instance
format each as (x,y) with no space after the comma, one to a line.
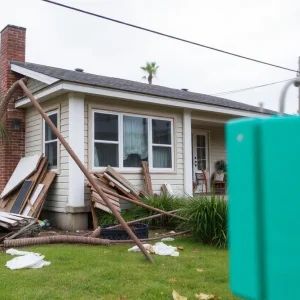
(32,74)
(62,87)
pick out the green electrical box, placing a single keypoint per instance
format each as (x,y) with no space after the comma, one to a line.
(264,207)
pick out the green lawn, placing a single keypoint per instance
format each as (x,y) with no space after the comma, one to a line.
(99,272)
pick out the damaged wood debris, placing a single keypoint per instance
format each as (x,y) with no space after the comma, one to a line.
(23,197)
(116,187)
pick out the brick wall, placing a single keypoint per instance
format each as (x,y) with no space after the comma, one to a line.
(12,48)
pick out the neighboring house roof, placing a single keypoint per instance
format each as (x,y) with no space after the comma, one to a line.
(136,87)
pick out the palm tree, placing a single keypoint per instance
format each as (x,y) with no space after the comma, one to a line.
(151,70)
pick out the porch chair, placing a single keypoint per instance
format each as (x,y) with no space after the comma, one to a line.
(219,183)
(201,180)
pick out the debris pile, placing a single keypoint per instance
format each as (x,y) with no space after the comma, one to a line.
(26,190)
(114,185)
(17,226)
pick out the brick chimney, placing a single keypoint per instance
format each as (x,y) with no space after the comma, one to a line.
(12,48)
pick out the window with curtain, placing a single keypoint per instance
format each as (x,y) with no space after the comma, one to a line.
(162,143)
(50,141)
(125,141)
(135,141)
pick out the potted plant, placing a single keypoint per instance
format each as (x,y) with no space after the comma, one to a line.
(221,166)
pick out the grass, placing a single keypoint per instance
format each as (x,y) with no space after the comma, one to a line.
(99,272)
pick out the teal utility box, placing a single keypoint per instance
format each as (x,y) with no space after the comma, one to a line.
(264,207)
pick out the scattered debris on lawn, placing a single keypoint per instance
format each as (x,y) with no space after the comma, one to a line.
(158,248)
(199,270)
(25,260)
(176,296)
(168,239)
(26,191)
(202,296)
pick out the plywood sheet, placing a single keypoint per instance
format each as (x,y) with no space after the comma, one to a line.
(32,199)
(21,196)
(26,166)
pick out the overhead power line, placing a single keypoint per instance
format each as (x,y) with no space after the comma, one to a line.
(249,88)
(167,35)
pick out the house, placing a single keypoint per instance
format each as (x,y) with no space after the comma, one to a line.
(109,121)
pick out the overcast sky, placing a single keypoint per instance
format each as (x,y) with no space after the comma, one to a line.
(264,30)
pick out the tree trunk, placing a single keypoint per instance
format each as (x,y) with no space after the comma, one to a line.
(150,79)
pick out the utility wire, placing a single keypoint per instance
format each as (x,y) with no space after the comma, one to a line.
(249,88)
(167,35)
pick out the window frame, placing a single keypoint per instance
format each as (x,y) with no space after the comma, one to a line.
(120,142)
(49,113)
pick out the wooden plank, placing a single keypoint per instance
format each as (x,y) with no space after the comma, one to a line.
(32,199)
(102,207)
(10,201)
(8,221)
(24,217)
(111,171)
(120,187)
(4,225)
(96,199)
(11,216)
(116,182)
(147,179)
(21,196)
(36,178)
(41,198)
(110,196)
(94,215)
(26,166)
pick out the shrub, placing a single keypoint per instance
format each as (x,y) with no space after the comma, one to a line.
(163,202)
(207,219)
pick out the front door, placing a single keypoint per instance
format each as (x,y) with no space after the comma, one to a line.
(200,162)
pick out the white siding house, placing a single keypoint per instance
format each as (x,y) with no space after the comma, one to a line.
(193,133)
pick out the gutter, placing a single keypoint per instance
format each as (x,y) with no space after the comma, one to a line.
(62,87)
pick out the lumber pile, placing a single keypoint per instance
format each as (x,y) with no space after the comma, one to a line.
(26,190)
(114,185)
(15,226)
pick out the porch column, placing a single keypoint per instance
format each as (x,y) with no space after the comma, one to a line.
(76,141)
(187,152)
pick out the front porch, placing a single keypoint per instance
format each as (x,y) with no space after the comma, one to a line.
(204,146)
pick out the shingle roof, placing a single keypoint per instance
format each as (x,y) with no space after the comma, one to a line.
(137,87)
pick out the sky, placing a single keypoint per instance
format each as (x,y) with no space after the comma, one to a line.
(262,29)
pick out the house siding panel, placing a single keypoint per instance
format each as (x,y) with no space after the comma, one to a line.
(58,193)
(175,178)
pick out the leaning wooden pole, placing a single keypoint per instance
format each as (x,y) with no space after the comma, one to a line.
(85,171)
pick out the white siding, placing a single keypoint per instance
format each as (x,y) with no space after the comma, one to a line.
(58,193)
(175,178)
(35,85)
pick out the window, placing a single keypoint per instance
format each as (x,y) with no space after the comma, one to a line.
(201,151)
(124,141)
(50,141)
(161,143)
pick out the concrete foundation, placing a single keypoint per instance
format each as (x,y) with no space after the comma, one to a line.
(70,221)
